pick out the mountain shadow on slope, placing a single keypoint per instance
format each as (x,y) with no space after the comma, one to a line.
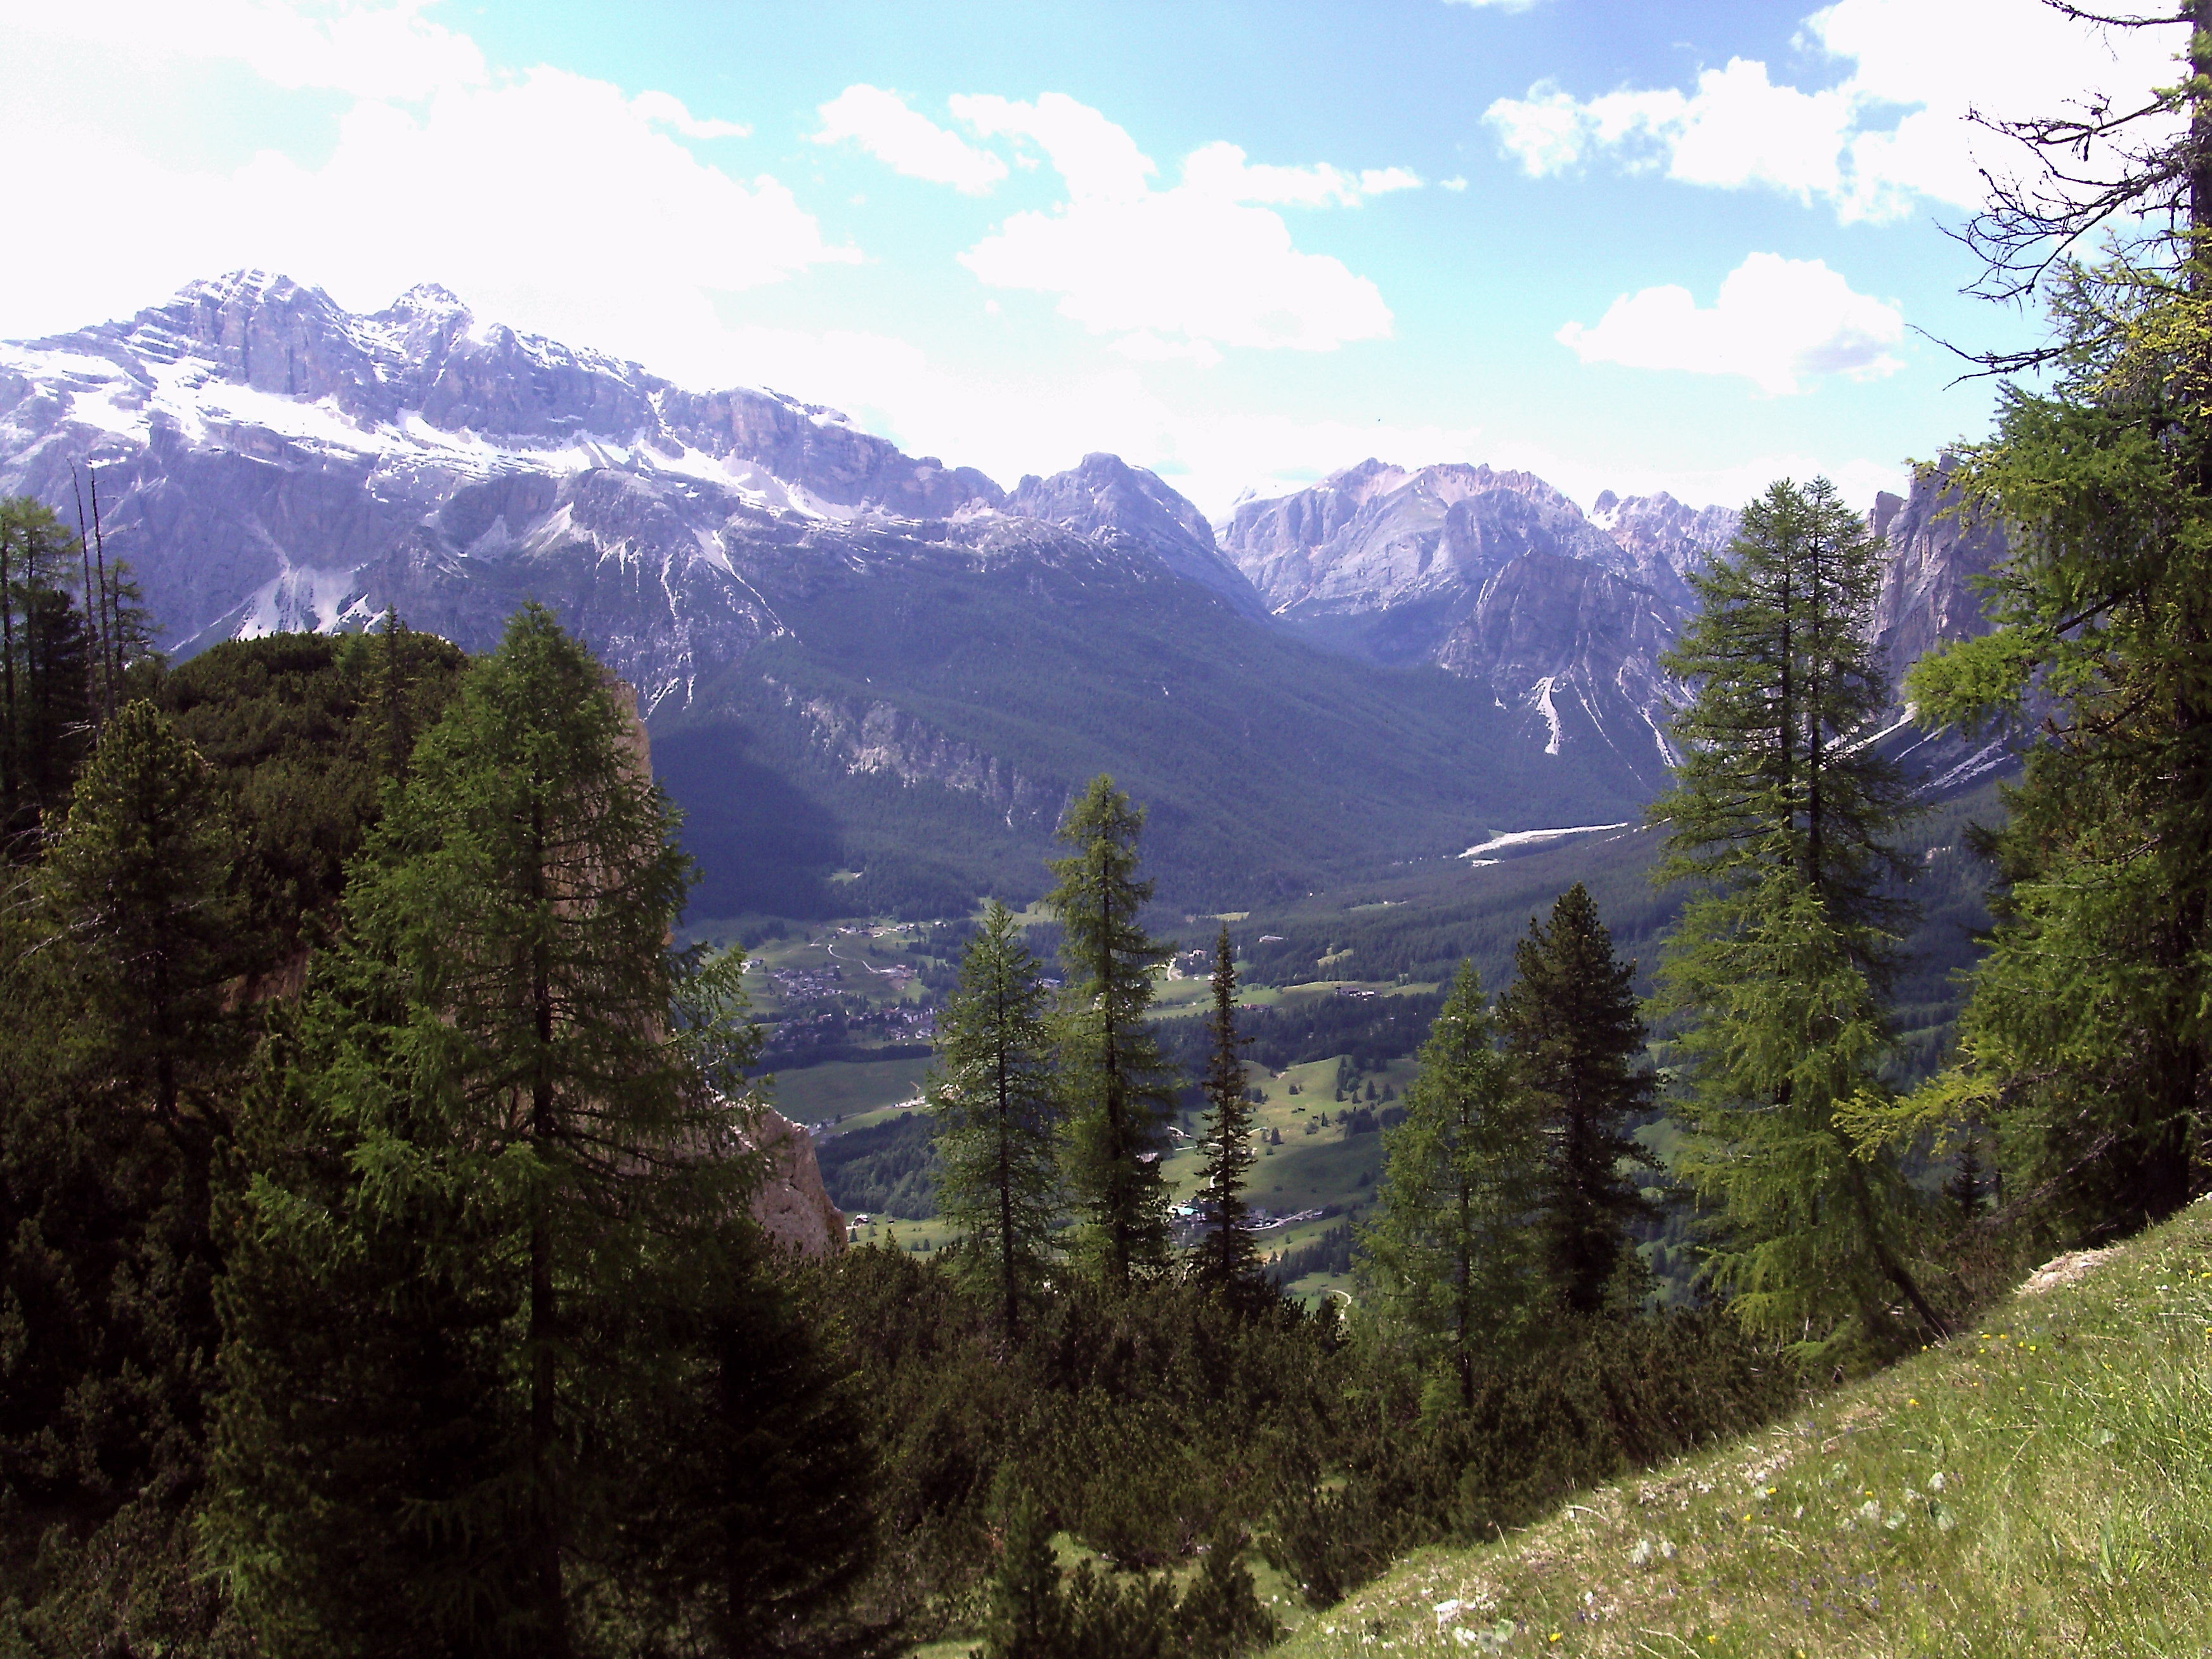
(926,716)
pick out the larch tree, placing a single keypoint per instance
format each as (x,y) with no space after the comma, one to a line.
(1226,1257)
(997,1107)
(491,1257)
(1773,979)
(1573,1033)
(1449,1265)
(2086,1042)
(1119,1088)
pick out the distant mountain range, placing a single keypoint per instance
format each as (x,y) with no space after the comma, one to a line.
(873,678)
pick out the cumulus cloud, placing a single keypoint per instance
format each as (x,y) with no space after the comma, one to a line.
(906,141)
(550,200)
(1891,134)
(1184,272)
(1778,322)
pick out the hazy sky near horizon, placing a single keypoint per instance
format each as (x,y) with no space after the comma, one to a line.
(1243,242)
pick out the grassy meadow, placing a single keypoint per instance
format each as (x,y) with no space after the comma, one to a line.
(2040,1484)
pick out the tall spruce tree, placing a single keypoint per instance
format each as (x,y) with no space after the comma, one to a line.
(2085,1041)
(1120,1089)
(1226,1257)
(1775,974)
(489,1257)
(1449,1265)
(1572,1032)
(997,1107)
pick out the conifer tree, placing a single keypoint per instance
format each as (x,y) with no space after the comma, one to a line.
(138,883)
(1775,973)
(997,1108)
(1227,1257)
(1119,1088)
(46,668)
(1572,1031)
(2084,1044)
(116,1076)
(1449,1265)
(501,1256)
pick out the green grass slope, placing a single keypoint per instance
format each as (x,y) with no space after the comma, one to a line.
(2040,1485)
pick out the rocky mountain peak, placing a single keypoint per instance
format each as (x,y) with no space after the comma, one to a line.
(1103,496)
(1663,538)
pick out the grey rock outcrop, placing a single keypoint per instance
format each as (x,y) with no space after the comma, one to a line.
(1937,549)
(791,1204)
(1574,649)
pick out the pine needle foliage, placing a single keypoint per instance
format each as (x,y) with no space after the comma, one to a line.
(1572,1031)
(521,1170)
(138,884)
(1120,1089)
(2086,1042)
(1450,1266)
(1772,980)
(1226,1257)
(997,1108)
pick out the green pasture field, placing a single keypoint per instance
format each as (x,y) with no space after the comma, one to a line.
(859,1091)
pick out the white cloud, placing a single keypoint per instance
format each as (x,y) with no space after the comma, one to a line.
(906,141)
(667,109)
(1496,5)
(548,200)
(1778,322)
(367,48)
(1181,272)
(1220,170)
(1891,133)
(1098,161)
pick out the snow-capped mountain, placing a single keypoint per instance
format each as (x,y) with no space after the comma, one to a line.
(269,460)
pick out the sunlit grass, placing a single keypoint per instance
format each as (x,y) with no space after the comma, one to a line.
(2042,1484)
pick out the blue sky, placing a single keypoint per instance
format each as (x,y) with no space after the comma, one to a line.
(1688,247)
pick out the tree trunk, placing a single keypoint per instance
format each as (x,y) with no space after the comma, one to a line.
(7,659)
(1005,1162)
(543,1128)
(1118,1191)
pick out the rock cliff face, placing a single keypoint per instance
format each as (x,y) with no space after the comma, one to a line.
(1663,540)
(791,1206)
(1937,550)
(1498,578)
(1389,562)
(1573,647)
